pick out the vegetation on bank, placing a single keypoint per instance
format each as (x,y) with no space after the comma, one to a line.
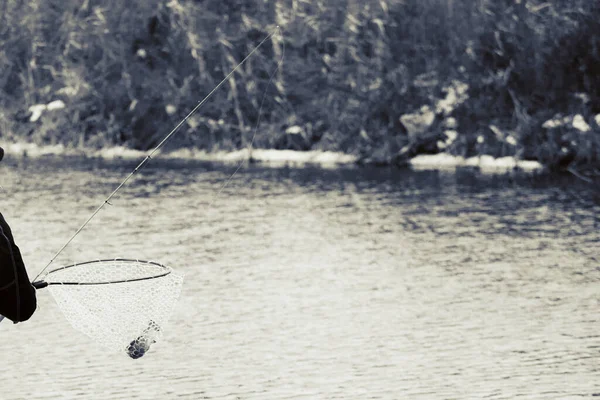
(357,76)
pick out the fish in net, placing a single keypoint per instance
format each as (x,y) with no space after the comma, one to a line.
(124,305)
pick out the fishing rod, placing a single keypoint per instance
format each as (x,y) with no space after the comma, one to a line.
(158,147)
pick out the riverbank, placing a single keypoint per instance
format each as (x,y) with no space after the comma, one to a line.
(325,159)
(386,81)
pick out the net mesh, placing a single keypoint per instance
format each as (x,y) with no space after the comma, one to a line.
(124,305)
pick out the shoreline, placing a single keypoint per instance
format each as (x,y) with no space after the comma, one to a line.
(325,159)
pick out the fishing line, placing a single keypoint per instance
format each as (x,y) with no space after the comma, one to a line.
(262,102)
(169,135)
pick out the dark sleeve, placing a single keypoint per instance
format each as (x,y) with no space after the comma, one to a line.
(17,295)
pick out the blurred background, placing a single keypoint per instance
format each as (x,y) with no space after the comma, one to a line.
(363,77)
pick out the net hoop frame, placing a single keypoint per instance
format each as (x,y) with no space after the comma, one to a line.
(168,270)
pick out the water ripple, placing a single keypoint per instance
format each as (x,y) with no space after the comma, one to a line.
(305,284)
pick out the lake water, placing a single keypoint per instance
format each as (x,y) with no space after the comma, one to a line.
(308,283)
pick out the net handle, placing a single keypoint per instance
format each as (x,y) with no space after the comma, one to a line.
(39,284)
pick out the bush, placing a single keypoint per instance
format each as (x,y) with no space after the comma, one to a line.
(129,71)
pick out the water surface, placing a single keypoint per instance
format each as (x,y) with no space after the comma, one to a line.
(306,283)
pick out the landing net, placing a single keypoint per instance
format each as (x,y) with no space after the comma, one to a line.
(122,304)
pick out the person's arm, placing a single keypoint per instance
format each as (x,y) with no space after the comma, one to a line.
(17,294)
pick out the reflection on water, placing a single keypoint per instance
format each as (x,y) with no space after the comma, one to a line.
(304,283)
